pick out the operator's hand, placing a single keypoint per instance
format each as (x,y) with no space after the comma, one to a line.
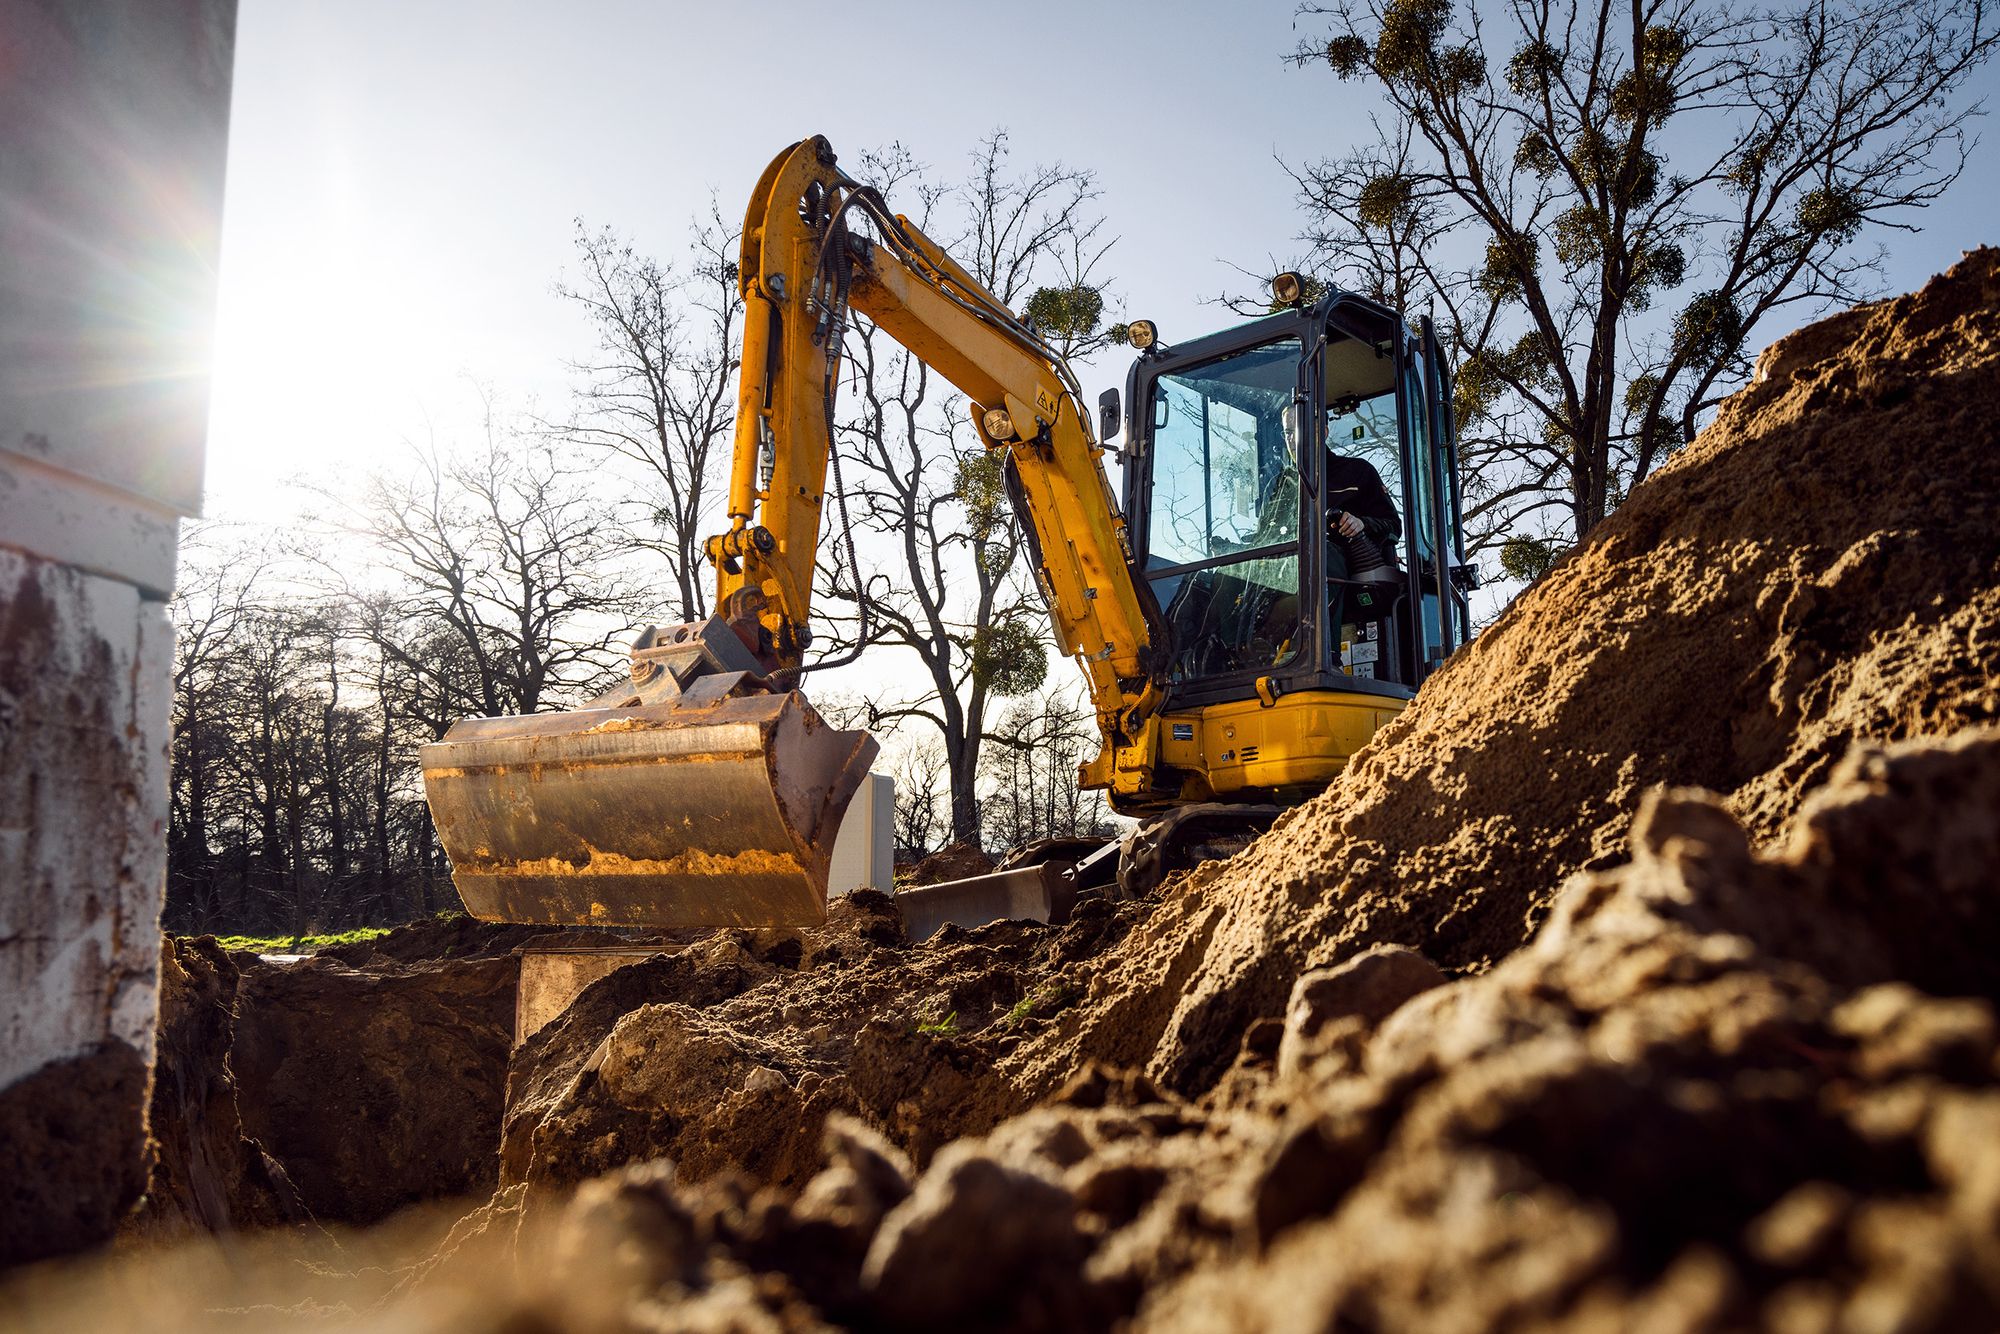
(1347,525)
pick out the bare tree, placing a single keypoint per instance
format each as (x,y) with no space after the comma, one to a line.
(936,531)
(295,799)
(1030,766)
(499,592)
(921,796)
(1606,200)
(659,393)
(217,588)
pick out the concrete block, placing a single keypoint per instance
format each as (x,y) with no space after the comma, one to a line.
(864,851)
(86,667)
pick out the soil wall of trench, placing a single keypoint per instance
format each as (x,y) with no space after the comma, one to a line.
(1641,970)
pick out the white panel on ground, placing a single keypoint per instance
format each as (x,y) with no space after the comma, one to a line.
(864,852)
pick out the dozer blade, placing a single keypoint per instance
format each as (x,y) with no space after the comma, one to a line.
(699,812)
(1030,893)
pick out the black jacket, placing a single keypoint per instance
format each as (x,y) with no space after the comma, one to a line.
(1353,485)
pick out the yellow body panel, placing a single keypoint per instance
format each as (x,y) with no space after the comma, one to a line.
(1304,740)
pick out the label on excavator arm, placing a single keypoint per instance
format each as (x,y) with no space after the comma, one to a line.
(667,815)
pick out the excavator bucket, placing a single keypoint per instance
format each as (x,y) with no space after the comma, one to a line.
(716,808)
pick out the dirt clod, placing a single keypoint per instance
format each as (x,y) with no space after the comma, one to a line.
(1332,1007)
(921,1273)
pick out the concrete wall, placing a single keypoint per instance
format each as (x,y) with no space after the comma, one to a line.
(113,117)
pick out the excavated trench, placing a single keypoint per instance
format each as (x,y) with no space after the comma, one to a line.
(1640,973)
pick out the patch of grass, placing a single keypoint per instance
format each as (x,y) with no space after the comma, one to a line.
(1044,999)
(300,944)
(939,1028)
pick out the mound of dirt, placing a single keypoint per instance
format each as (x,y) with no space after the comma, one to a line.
(728,1055)
(1821,566)
(954,861)
(1703,1097)
(1700,1099)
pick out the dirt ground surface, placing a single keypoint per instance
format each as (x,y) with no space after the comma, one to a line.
(1639,976)
(954,861)
(460,937)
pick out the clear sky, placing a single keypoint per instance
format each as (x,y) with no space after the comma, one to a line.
(402,176)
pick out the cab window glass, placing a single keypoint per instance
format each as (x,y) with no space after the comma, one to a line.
(1365,428)
(1225,470)
(1420,450)
(1225,480)
(1364,477)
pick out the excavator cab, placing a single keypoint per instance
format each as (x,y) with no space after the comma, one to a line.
(1243,451)
(1283,635)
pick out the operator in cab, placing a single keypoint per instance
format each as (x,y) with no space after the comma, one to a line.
(1362,526)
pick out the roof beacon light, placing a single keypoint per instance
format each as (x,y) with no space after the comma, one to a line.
(1141,334)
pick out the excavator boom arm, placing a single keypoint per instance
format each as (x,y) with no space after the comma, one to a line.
(802,269)
(706,791)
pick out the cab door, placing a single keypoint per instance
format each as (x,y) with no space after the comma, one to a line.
(1459,577)
(1435,619)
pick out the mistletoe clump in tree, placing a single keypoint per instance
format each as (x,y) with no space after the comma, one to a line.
(1604,202)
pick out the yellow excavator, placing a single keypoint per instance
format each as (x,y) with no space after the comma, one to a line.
(1285,570)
